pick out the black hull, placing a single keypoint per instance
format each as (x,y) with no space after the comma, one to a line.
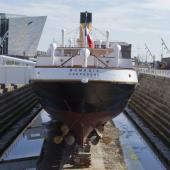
(82,98)
(89,104)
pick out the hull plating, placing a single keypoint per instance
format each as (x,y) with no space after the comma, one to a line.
(83,107)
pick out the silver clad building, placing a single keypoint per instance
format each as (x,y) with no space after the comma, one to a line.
(20,35)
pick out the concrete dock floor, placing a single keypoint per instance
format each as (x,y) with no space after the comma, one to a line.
(107,155)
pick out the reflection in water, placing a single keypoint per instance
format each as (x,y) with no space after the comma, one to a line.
(54,156)
(25,150)
(137,153)
(35,147)
(31,151)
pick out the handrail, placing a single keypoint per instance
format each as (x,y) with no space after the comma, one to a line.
(155,72)
(4,59)
(74,56)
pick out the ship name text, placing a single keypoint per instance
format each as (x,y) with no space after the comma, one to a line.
(90,72)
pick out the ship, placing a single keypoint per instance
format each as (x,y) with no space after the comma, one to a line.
(84,84)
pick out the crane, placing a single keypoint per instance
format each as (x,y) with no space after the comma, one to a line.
(149,51)
(164,47)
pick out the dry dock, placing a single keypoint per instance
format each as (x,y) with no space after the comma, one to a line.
(129,142)
(121,148)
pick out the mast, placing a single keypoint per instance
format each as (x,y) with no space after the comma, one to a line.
(86,51)
(85,30)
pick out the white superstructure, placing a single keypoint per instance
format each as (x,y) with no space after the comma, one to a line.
(55,57)
(84,67)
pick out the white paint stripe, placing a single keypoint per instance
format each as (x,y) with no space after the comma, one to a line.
(79,74)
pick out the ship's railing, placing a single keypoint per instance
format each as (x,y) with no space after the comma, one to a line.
(155,72)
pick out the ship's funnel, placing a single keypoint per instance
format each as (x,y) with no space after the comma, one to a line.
(85,19)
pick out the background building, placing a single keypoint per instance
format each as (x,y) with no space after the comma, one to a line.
(165,63)
(20,35)
(125,47)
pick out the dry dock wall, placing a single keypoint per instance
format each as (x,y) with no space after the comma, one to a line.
(8,88)
(151,101)
(16,106)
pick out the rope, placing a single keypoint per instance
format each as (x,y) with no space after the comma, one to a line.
(101,61)
(102,33)
(66,61)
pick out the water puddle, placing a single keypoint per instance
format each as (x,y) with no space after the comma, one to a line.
(26,148)
(137,153)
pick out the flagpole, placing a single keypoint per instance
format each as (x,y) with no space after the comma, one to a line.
(86,29)
(86,51)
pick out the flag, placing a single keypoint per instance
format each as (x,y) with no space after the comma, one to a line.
(89,38)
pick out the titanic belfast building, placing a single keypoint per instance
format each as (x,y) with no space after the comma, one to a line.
(20,35)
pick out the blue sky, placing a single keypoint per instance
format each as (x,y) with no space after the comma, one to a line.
(134,21)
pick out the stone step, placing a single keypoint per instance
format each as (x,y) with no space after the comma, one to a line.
(159,114)
(163,108)
(159,98)
(155,118)
(19,114)
(14,106)
(7,104)
(158,80)
(154,78)
(159,89)
(137,109)
(161,86)
(11,95)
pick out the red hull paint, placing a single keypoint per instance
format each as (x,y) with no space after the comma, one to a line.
(83,124)
(83,107)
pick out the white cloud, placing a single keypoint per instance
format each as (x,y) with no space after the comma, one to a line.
(158,4)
